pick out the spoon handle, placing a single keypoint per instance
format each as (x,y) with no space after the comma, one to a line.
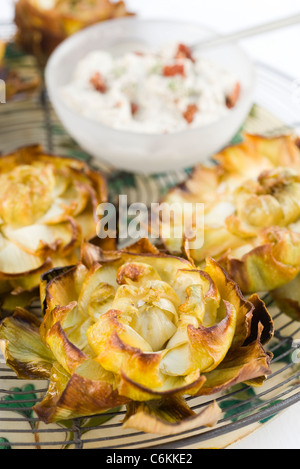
(250,32)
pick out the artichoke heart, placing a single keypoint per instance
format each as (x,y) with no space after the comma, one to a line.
(251,212)
(140,328)
(47,208)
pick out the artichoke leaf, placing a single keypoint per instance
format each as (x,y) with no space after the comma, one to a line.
(259,270)
(155,327)
(262,324)
(77,336)
(248,364)
(65,315)
(185,278)
(75,198)
(22,347)
(76,396)
(230,292)
(110,323)
(88,224)
(19,299)
(258,211)
(132,273)
(101,301)
(169,416)
(14,260)
(65,352)
(178,361)
(34,239)
(126,300)
(97,275)
(286,246)
(167,267)
(63,287)
(217,242)
(210,345)
(162,295)
(178,357)
(166,385)
(92,370)
(194,304)
(113,343)
(287,298)
(167,306)
(142,246)
(47,409)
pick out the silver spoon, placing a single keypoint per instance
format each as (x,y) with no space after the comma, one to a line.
(246,33)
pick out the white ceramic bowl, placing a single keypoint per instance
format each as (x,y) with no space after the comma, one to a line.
(143,152)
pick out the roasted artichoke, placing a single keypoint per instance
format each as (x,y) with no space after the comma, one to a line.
(43,24)
(251,203)
(141,328)
(47,208)
(15,81)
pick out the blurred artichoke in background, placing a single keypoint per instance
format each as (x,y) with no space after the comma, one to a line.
(252,212)
(47,208)
(16,81)
(140,328)
(43,24)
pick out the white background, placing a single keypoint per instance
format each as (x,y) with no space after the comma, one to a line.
(279,49)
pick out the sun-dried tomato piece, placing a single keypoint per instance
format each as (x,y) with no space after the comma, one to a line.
(134,108)
(184,52)
(172,70)
(98,82)
(190,112)
(231,99)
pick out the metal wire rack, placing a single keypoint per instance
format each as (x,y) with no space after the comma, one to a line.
(244,409)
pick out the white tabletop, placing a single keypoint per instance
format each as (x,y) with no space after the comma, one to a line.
(279,49)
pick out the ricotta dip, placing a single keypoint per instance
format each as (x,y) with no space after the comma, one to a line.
(154,92)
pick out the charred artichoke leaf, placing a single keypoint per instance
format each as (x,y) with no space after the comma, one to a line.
(262,324)
(59,287)
(48,409)
(249,364)
(169,416)
(171,386)
(22,347)
(79,395)
(65,352)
